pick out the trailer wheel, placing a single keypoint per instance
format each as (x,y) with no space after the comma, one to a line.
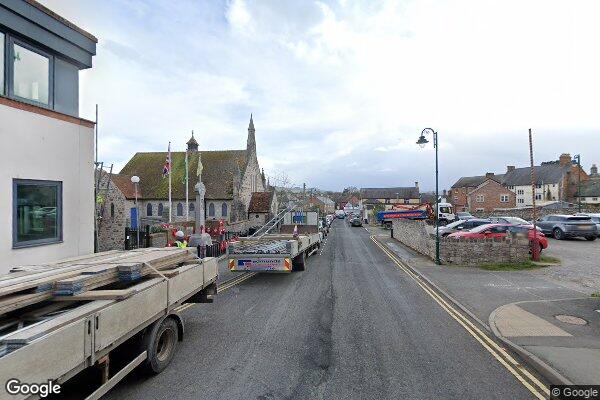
(160,341)
(298,262)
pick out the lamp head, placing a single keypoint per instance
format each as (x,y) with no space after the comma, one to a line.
(135,179)
(422,141)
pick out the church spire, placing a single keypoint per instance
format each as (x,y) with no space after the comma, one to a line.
(251,144)
(192,144)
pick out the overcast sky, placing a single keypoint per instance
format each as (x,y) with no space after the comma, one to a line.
(340,90)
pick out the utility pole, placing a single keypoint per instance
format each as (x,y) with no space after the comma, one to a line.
(535,250)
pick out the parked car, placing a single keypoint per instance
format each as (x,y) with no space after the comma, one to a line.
(500,231)
(356,221)
(463,215)
(568,226)
(511,221)
(462,225)
(324,226)
(595,218)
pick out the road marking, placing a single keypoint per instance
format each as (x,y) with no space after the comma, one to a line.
(537,388)
(221,288)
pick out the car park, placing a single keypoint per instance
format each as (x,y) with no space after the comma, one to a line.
(463,215)
(489,231)
(568,226)
(462,225)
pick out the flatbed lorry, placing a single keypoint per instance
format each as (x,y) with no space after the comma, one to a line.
(70,332)
(284,252)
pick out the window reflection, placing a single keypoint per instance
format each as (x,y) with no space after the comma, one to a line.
(31,75)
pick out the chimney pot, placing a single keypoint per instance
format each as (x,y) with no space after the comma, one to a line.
(510,168)
(489,174)
(564,159)
(416,183)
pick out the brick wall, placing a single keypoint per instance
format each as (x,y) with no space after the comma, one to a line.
(461,252)
(491,193)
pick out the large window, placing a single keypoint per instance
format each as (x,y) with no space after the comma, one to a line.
(31,75)
(37,212)
(224,209)
(1,63)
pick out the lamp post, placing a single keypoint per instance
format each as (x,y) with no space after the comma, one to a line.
(136,180)
(577,158)
(422,142)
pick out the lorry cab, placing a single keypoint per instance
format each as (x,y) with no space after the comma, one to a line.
(445,213)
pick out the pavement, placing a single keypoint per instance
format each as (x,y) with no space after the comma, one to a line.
(551,323)
(352,326)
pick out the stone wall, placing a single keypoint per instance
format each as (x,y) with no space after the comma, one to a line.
(527,212)
(114,214)
(460,252)
(158,239)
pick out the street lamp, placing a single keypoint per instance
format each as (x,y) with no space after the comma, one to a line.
(577,159)
(136,180)
(422,142)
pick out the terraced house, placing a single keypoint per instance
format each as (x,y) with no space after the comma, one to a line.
(229,177)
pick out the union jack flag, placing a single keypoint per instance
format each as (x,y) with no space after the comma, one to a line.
(167,166)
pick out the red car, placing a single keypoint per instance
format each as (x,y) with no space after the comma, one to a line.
(500,231)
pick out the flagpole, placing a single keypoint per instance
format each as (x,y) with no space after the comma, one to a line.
(187,194)
(170,169)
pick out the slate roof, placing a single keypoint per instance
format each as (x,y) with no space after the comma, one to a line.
(546,173)
(590,188)
(219,169)
(411,192)
(474,181)
(260,202)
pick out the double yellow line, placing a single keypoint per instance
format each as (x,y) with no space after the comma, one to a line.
(536,387)
(220,288)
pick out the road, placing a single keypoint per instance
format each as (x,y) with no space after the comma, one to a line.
(352,326)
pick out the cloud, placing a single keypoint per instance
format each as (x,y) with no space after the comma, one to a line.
(340,90)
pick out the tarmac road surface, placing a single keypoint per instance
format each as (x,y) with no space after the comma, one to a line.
(352,326)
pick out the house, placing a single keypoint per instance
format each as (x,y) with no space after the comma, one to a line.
(590,192)
(47,174)
(229,177)
(490,195)
(390,196)
(323,203)
(263,207)
(554,181)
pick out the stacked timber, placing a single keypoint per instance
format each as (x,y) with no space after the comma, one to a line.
(53,292)
(261,247)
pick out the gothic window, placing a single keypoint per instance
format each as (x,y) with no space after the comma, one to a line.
(192,207)
(149,210)
(224,209)
(160,209)
(179,209)
(211,210)
(112,210)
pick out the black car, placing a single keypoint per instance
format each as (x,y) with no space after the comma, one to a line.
(568,226)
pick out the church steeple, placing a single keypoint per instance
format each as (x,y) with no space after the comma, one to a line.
(251,144)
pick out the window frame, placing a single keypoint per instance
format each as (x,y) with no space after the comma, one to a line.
(504,198)
(10,71)
(59,213)
(4,86)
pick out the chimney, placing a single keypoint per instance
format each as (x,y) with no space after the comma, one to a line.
(564,159)
(416,184)
(489,175)
(594,170)
(510,168)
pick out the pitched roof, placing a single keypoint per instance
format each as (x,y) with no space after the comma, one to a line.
(260,202)
(411,192)
(545,173)
(474,181)
(219,170)
(124,184)
(590,188)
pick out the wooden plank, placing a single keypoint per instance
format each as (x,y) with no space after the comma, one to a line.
(116,294)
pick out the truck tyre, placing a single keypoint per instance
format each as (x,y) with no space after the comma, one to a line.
(160,341)
(298,262)
(557,233)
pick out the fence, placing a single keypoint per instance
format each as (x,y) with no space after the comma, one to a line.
(214,250)
(131,238)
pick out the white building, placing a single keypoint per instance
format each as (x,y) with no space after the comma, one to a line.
(47,168)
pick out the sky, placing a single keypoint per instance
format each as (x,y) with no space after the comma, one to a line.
(340,90)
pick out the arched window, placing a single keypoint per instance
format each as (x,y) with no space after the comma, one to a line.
(211,210)
(160,209)
(112,210)
(224,209)
(149,210)
(192,207)
(179,209)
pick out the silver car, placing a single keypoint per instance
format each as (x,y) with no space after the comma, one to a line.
(595,219)
(462,225)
